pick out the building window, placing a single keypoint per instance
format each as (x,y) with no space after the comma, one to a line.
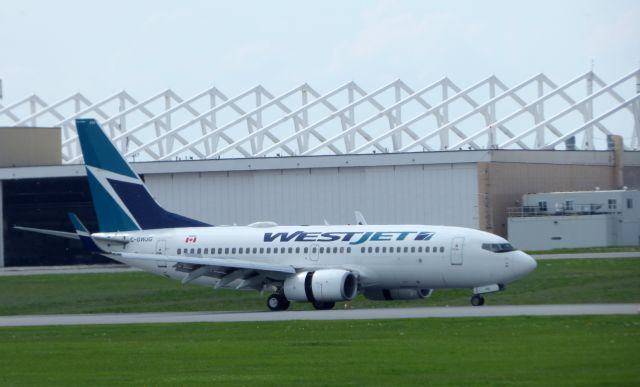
(629,203)
(612,204)
(542,205)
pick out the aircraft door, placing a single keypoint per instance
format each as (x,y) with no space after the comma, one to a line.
(313,254)
(457,245)
(161,249)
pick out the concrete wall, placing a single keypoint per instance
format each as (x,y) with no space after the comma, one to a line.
(552,232)
(20,146)
(421,194)
(507,182)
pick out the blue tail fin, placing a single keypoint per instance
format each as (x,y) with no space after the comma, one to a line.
(120,199)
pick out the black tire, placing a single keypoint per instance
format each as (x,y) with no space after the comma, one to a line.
(324,305)
(477,300)
(277,302)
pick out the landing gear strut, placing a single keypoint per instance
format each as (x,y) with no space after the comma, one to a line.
(477,300)
(277,302)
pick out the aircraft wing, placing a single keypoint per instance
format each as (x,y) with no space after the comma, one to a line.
(214,262)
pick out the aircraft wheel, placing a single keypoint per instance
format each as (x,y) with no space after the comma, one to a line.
(477,300)
(277,302)
(324,305)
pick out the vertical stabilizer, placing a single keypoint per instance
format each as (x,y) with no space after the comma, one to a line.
(120,198)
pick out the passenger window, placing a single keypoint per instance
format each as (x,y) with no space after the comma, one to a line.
(255,250)
(192,250)
(384,249)
(297,250)
(268,250)
(406,249)
(313,250)
(413,249)
(262,250)
(335,250)
(370,249)
(426,249)
(206,250)
(290,250)
(362,249)
(306,250)
(348,250)
(341,250)
(419,249)
(377,249)
(178,252)
(442,249)
(199,251)
(282,250)
(219,250)
(240,250)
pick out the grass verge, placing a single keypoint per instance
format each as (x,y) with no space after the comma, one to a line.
(554,282)
(522,351)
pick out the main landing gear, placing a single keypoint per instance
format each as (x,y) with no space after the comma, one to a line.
(278,302)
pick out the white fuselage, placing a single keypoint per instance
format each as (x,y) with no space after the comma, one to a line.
(393,256)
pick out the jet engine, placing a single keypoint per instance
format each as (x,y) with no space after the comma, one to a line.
(397,294)
(321,286)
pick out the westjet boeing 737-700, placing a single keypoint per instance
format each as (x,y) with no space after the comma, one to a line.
(317,264)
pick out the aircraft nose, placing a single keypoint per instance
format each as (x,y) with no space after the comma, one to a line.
(524,264)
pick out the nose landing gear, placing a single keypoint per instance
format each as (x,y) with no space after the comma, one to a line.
(477,300)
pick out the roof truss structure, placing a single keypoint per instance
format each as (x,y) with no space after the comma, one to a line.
(536,113)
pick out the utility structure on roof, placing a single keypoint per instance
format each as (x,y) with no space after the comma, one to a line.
(537,113)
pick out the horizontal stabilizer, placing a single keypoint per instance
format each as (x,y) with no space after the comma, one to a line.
(63,234)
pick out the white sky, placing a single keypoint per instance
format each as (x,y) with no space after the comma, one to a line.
(55,48)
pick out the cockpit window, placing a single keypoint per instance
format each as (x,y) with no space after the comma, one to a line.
(498,247)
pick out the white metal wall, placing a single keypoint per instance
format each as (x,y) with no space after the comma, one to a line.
(421,194)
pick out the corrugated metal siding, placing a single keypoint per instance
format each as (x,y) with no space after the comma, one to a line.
(427,194)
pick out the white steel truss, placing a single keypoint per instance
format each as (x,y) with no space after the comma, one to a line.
(534,114)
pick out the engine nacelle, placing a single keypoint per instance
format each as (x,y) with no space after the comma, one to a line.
(322,285)
(397,294)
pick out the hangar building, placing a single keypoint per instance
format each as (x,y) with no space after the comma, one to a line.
(438,155)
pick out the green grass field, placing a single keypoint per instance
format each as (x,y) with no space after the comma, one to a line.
(541,351)
(556,282)
(578,250)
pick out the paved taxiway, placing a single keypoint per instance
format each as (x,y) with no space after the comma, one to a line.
(349,314)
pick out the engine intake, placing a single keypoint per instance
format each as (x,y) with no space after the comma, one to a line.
(322,285)
(397,294)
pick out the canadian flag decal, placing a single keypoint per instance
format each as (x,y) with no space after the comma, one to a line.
(190,239)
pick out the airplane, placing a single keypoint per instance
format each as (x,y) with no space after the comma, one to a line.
(321,264)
